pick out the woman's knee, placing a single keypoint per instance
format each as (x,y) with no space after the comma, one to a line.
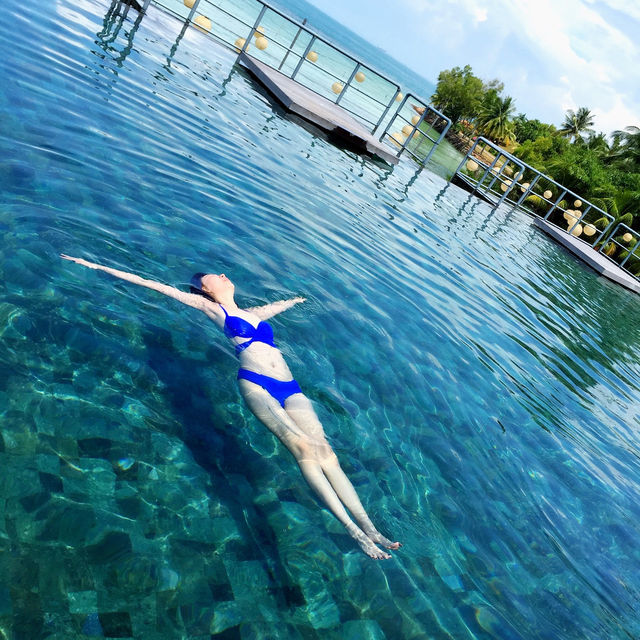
(319,452)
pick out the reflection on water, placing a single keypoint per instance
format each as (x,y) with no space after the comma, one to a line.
(479,385)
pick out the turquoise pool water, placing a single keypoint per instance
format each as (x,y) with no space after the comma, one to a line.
(480,387)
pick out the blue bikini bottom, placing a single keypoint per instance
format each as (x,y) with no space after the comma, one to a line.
(279,389)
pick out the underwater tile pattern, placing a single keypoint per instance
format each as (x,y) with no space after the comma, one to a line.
(480,387)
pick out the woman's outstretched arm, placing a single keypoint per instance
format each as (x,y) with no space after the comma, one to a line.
(273,309)
(190,299)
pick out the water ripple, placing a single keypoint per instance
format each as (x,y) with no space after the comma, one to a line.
(479,385)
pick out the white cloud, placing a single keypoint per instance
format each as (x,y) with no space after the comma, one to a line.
(616,115)
(474,8)
(480,14)
(583,52)
(630,9)
(551,56)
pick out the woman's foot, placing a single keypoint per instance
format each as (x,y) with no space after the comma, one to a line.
(371,550)
(378,538)
(367,545)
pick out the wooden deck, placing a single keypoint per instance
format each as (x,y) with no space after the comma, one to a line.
(594,259)
(316,109)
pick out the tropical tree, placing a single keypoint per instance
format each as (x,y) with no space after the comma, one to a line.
(576,123)
(624,206)
(598,142)
(494,119)
(525,129)
(627,147)
(458,93)
(580,170)
(539,152)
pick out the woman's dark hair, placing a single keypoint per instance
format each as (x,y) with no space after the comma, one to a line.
(195,285)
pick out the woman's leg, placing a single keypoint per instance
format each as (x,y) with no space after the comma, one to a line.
(313,473)
(300,409)
(343,487)
(276,419)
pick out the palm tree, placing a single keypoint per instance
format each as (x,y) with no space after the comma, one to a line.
(624,206)
(627,147)
(576,123)
(494,119)
(598,142)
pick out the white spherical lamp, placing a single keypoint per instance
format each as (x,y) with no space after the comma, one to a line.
(399,97)
(203,23)
(577,230)
(589,230)
(398,138)
(189,3)
(524,187)
(547,194)
(262,43)
(472,165)
(407,129)
(627,237)
(239,43)
(577,203)
(312,56)
(337,87)
(258,32)
(415,119)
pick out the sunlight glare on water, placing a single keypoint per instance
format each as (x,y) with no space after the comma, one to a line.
(480,386)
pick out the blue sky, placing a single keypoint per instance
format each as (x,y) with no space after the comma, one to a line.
(551,55)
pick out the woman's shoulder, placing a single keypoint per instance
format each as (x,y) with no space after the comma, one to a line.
(213,310)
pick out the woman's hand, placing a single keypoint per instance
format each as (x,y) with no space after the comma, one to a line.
(81,261)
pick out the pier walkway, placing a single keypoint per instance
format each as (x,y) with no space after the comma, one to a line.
(311,77)
(596,260)
(607,245)
(315,108)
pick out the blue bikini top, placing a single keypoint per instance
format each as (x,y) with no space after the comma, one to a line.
(236,327)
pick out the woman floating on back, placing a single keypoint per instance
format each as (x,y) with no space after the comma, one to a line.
(274,397)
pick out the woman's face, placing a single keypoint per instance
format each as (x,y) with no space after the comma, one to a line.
(217,286)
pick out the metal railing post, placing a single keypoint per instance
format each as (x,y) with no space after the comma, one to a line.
(415,128)
(487,170)
(293,42)
(466,158)
(388,107)
(630,254)
(349,81)
(528,190)
(554,206)
(497,175)
(605,236)
(247,42)
(193,10)
(386,130)
(514,182)
(303,57)
(436,143)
